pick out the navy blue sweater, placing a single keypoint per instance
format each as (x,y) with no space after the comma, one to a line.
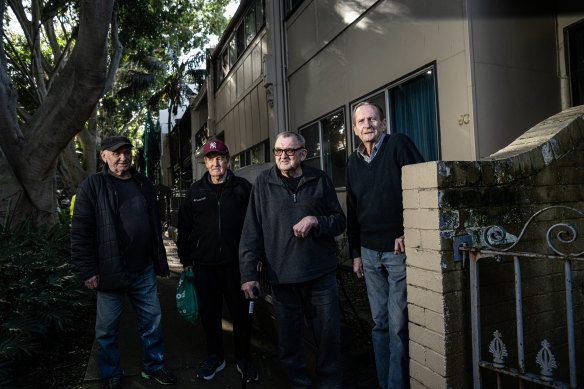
(374,195)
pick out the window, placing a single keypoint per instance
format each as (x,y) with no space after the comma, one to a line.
(255,155)
(201,137)
(290,6)
(232,52)
(251,23)
(250,26)
(222,65)
(326,146)
(260,15)
(410,108)
(575,35)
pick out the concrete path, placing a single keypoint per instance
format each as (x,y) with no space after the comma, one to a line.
(186,352)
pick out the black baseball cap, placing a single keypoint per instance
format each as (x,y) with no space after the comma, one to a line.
(115,142)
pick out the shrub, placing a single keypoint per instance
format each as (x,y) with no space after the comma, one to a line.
(39,291)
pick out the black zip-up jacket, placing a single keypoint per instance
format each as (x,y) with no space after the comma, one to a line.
(95,247)
(268,236)
(209,228)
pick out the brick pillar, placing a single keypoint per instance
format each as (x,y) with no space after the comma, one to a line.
(424,276)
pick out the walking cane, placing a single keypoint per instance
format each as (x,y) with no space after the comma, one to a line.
(247,343)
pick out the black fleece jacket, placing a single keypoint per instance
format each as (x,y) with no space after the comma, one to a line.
(374,195)
(209,228)
(95,247)
(268,236)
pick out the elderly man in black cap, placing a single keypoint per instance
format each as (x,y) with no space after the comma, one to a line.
(210,223)
(116,243)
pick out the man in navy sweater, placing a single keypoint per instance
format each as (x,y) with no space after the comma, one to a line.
(376,236)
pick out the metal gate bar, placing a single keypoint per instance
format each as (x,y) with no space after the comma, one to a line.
(570,323)
(519,315)
(495,235)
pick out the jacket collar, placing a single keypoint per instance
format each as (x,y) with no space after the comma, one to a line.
(228,179)
(106,171)
(308,173)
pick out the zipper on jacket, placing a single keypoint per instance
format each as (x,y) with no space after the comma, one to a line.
(292,193)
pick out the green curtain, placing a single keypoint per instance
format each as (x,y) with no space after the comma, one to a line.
(414,113)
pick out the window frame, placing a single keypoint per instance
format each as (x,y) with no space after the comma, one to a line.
(319,122)
(247,157)
(237,43)
(385,89)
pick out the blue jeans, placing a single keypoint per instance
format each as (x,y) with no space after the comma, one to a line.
(318,302)
(385,277)
(143,296)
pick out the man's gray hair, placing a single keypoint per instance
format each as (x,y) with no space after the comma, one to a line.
(289,134)
(371,103)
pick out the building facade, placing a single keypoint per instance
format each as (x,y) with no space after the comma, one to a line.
(461,78)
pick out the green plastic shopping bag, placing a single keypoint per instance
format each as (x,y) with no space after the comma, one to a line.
(187,302)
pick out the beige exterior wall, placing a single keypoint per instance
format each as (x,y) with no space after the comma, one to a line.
(241,105)
(514,71)
(499,72)
(339,51)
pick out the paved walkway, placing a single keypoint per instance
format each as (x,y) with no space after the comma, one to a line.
(186,351)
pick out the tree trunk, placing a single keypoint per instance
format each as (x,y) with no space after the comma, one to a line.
(28,158)
(69,167)
(88,139)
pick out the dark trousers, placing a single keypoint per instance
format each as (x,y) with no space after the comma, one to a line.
(214,283)
(318,302)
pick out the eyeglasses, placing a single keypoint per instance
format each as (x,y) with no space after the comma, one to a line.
(289,152)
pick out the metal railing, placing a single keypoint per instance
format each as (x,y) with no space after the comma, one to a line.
(493,237)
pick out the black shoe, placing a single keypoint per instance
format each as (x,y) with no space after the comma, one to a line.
(252,373)
(214,364)
(112,383)
(162,376)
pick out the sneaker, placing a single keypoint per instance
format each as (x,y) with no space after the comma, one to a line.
(162,376)
(214,364)
(252,373)
(112,383)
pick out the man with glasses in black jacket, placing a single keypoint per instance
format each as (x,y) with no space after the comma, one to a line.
(292,219)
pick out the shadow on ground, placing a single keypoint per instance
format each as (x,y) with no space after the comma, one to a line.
(186,352)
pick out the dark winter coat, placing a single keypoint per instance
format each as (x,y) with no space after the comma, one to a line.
(268,236)
(209,228)
(95,246)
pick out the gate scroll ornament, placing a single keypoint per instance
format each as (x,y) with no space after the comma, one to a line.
(494,237)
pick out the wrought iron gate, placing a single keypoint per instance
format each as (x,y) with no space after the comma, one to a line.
(493,238)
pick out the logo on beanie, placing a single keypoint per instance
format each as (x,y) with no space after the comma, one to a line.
(213,145)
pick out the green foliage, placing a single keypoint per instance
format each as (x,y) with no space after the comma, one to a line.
(153,34)
(39,291)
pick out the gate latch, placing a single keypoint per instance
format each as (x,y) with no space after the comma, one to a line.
(461,241)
